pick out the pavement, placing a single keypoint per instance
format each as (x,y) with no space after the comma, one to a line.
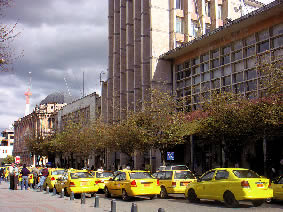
(35,201)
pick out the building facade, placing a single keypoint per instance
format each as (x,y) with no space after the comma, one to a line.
(227,59)
(139,32)
(39,123)
(6,143)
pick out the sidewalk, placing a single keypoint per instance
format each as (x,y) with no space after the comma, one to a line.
(30,200)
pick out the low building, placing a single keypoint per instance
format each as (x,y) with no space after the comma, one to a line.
(85,110)
(6,143)
(37,124)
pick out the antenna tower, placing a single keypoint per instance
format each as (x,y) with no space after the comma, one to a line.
(28,94)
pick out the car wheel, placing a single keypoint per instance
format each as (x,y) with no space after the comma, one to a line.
(152,196)
(192,196)
(229,200)
(163,193)
(258,202)
(269,200)
(93,194)
(125,196)
(107,193)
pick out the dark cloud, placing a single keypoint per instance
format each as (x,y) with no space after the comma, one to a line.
(60,39)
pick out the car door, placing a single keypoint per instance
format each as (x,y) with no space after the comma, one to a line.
(219,184)
(112,184)
(203,188)
(122,183)
(278,189)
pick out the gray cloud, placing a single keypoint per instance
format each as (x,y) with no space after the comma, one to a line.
(60,39)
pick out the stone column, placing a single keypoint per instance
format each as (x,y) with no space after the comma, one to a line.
(146,51)
(109,116)
(214,14)
(130,56)
(116,62)
(137,55)
(104,101)
(123,83)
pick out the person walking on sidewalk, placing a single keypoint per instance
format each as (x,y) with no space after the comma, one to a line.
(25,172)
(44,173)
(11,174)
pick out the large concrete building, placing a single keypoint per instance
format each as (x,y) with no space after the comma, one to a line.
(6,143)
(228,59)
(140,31)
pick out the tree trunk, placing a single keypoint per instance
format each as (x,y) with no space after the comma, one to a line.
(264,155)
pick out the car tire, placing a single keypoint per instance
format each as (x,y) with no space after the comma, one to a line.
(229,200)
(257,203)
(107,193)
(125,196)
(152,197)
(163,193)
(192,196)
(93,194)
(268,201)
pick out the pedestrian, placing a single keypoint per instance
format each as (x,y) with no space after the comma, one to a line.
(1,174)
(16,176)
(44,174)
(25,172)
(35,173)
(11,175)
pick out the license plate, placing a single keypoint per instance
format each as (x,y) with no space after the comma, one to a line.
(83,183)
(146,185)
(184,184)
(259,185)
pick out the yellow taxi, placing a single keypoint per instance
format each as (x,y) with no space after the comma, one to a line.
(77,181)
(53,175)
(277,186)
(127,183)
(174,181)
(230,185)
(101,177)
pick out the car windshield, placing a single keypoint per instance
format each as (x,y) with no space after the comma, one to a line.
(140,175)
(77,175)
(179,168)
(245,174)
(184,175)
(58,172)
(104,174)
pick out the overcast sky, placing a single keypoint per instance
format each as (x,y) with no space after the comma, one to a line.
(59,39)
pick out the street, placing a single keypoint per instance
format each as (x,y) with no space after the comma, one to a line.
(24,201)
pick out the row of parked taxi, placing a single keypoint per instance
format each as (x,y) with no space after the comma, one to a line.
(229,185)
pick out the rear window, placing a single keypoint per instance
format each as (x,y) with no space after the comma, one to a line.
(104,174)
(78,175)
(179,167)
(245,174)
(184,175)
(140,175)
(58,172)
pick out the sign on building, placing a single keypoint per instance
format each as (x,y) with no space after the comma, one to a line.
(170,155)
(17,159)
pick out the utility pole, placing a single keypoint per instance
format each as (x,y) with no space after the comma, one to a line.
(83,83)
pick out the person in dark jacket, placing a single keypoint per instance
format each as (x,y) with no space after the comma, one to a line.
(25,172)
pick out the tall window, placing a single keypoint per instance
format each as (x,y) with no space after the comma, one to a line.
(194,29)
(219,11)
(179,25)
(207,9)
(179,4)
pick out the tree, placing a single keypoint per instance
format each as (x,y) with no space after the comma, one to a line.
(7,34)
(9,159)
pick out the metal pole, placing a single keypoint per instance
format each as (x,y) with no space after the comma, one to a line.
(134,207)
(54,191)
(113,205)
(62,194)
(161,210)
(72,196)
(96,202)
(47,190)
(83,198)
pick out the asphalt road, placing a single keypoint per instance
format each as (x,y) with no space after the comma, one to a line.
(22,201)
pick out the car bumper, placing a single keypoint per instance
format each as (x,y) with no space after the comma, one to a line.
(101,186)
(79,190)
(251,194)
(176,190)
(143,191)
